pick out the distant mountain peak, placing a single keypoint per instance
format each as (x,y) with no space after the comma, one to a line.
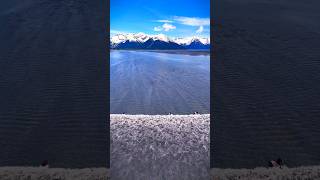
(144,41)
(161,37)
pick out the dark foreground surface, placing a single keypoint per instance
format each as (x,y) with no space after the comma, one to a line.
(266,83)
(53,83)
(285,173)
(41,173)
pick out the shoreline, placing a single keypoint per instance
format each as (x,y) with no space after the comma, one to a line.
(204,114)
(204,52)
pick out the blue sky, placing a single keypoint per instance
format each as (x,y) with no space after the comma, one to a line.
(174,18)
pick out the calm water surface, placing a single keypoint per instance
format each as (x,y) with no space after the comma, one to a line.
(159,83)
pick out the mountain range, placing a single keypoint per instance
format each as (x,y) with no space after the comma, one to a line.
(160,41)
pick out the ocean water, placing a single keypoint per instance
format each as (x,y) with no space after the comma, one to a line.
(144,82)
(266,83)
(53,84)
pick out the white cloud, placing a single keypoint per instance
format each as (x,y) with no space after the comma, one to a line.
(192,21)
(168,27)
(189,21)
(200,30)
(158,28)
(164,21)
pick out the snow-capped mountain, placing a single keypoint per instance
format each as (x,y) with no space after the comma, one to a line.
(160,41)
(189,40)
(120,38)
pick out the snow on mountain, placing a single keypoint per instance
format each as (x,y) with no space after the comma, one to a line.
(160,37)
(205,41)
(139,40)
(183,41)
(141,37)
(189,40)
(119,38)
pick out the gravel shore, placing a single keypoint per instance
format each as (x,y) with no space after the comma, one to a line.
(160,147)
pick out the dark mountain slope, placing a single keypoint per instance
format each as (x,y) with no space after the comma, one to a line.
(197,45)
(156,44)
